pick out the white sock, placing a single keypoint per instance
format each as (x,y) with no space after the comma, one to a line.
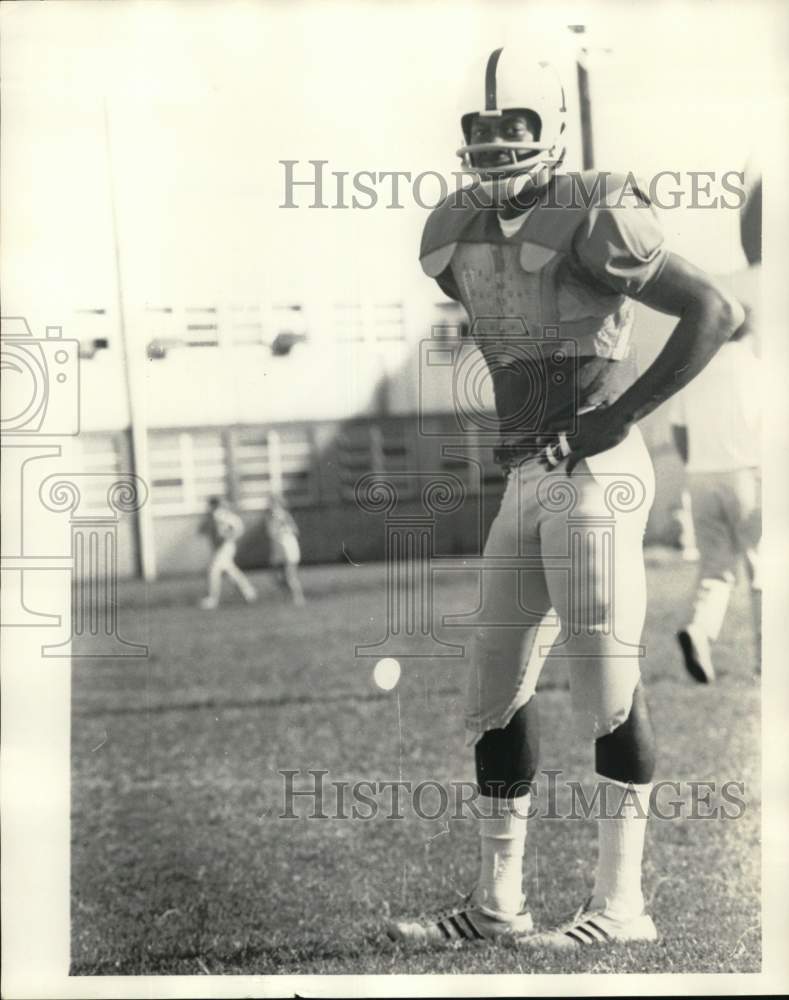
(709,608)
(620,848)
(502,829)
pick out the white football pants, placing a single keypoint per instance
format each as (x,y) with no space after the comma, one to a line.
(563,576)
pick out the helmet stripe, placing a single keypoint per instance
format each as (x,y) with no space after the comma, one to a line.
(490,80)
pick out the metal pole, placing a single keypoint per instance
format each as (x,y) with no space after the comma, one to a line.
(585,103)
(139,435)
(584,100)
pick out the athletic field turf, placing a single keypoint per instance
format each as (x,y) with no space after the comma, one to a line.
(180,864)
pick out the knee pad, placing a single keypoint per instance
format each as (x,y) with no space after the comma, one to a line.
(601,691)
(507,758)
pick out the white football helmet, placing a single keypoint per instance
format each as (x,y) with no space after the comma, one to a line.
(510,82)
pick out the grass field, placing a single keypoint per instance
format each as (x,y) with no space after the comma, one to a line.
(181,866)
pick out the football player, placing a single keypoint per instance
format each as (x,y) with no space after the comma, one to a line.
(547,264)
(716,422)
(224,527)
(283,533)
(717,429)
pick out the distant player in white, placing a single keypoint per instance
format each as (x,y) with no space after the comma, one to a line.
(224,527)
(285,556)
(537,265)
(716,423)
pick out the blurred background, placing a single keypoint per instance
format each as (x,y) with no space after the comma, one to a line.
(233,346)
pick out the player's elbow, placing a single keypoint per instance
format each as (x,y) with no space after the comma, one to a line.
(732,314)
(723,312)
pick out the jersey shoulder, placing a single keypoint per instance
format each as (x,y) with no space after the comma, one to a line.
(464,215)
(585,196)
(618,237)
(461,215)
(602,219)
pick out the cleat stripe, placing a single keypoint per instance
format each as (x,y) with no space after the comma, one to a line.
(576,937)
(458,927)
(474,930)
(606,935)
(586,928)
(584,933)
(444,930)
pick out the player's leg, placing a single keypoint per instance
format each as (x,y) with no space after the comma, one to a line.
(718,558)
(506,762)
(610,709)
(601,602)
(292,583)
(280,575)
(504,674)
(505,660)
(687,533)
(507,655)
(215,571)
(625,764)
(290,568)
(230,567)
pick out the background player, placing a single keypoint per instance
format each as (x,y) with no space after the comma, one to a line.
(224,527)
(716,422)
(530,252)
(283,533)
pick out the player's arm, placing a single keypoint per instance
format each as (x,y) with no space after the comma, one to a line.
(625,252)
(708,316)
(623,249)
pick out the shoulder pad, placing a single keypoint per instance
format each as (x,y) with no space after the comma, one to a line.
(572,198)
(608,190)
(461,211)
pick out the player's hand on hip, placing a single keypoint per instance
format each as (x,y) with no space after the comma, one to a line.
(596,432)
